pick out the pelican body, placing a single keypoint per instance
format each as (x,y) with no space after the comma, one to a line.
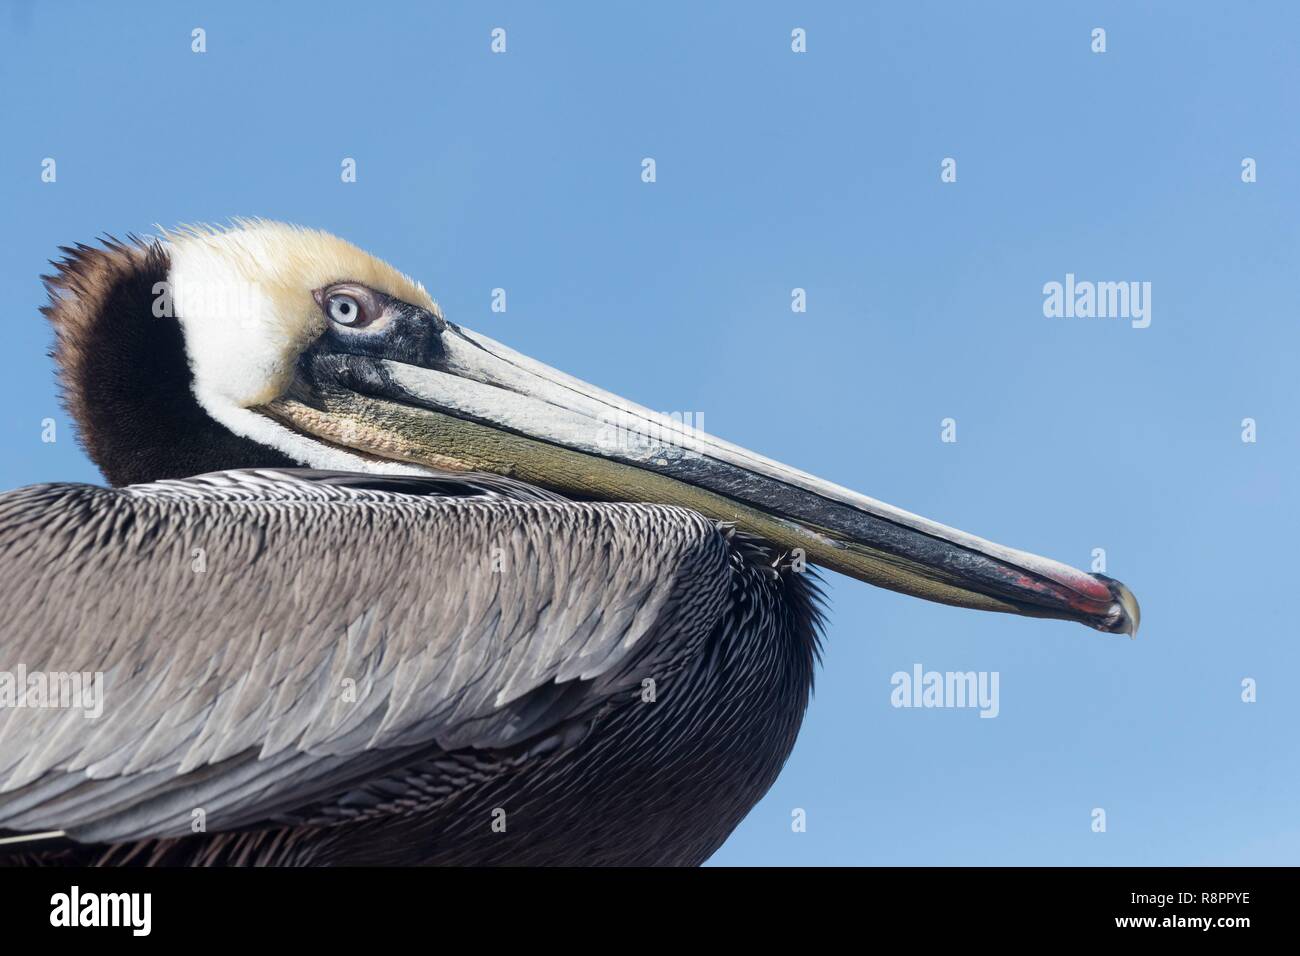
(370,588)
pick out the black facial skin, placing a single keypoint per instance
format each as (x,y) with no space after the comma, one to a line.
(387,328)
(347,356)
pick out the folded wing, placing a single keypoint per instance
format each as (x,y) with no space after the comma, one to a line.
(267,638)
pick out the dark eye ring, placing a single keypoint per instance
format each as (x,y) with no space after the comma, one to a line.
(343,309)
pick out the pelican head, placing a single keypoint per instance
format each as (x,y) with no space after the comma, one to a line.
(268,344)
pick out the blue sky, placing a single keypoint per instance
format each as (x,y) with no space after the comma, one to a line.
(820,170)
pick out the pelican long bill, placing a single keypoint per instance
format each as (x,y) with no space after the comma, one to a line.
(428,392)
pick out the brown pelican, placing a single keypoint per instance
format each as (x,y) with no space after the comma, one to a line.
(372,588)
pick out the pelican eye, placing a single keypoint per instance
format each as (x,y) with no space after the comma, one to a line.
(343,309)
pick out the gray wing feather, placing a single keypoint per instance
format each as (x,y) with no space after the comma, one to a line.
(226,688)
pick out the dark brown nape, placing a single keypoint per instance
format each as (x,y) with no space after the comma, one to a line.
(125,374)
